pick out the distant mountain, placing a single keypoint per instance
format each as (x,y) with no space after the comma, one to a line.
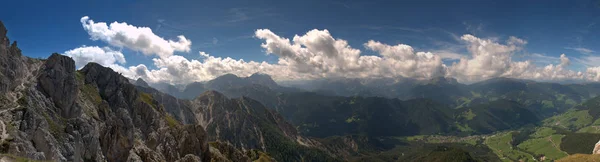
(191,91)
(166,88)
(544,99)
(229,81)
(442,99)
(376,87)
(229,84)
(141,82)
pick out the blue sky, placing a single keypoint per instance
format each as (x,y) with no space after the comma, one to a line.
(227,28)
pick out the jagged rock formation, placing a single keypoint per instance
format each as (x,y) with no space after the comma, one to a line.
(245,124)
(227,117)
(49,111)
(57,81)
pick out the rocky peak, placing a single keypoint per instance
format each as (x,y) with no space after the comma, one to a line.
(263,79)
(57,81)
(3,39)
(443,80)
(112,86)
(103,76)
(141,82)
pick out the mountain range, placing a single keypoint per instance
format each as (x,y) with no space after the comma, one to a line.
(49,110)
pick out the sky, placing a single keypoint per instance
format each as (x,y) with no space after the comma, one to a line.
(180,41)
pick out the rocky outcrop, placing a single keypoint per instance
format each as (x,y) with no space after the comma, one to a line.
(223,118)
(140,123)
(596,148)
(49,111)
(57,81)
(180,109)
(225,152)
(15,69)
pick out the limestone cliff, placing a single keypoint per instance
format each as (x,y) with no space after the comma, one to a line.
(50,111)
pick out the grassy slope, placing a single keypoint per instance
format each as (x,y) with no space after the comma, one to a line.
(501,145)
(580,158)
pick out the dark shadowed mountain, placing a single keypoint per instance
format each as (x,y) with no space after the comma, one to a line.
(495,116)
(434,106)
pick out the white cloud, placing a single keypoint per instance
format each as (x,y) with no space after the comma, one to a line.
(103,56)
(179,70)
(593,73)
(581,50)
(317,54)
(557,72)
(492,59)
(140,39)
(488,59)
(401,60)
(589,60)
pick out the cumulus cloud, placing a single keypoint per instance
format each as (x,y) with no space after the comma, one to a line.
(488,59)
(103,56)
(317,54)
(140,39)
(558,72)
(491,59)
(593,73)
(404,61)
(179,70)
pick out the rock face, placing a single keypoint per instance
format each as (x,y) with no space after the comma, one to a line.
(57,81)
(228,117)
(14,67)
(49,111)
(242,123)
(596,148)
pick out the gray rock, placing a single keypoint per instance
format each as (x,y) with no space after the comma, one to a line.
(58,82)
